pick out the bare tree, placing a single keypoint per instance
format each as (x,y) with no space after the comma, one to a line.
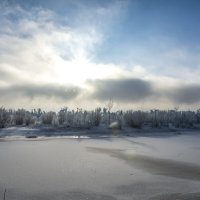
(110,105)
(4,195)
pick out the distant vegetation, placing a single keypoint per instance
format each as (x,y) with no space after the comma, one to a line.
(87,119)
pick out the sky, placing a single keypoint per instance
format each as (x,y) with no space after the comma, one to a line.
(141,54)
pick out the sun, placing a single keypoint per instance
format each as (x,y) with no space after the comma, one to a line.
(79,70)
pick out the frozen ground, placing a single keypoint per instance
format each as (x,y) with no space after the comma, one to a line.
(100,168)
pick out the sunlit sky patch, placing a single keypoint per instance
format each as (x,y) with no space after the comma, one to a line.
(142,54)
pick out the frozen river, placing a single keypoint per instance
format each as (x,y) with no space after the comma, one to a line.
(110,168)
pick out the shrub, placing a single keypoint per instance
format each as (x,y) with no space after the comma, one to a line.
(135,119)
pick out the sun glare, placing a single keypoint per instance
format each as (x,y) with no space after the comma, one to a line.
(77,71)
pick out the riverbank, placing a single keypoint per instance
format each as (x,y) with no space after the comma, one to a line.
(102,130)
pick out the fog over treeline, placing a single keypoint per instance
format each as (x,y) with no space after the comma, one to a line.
(80,118)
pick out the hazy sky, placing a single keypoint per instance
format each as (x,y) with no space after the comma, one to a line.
(140,53)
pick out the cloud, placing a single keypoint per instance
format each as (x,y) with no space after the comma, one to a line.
(46,91)
(187,94)
(37,46)
(36,42)
(123,90)
(145,93)
(5,74)
(45,56)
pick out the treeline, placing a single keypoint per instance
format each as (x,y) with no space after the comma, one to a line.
(87,119)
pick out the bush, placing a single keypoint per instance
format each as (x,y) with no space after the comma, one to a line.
(135,119)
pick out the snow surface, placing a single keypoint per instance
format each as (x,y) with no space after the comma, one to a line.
(108,168)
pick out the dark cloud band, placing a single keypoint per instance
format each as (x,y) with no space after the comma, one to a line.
(189,94)
(34,91)
(138,90)
(124,90)
(135,91)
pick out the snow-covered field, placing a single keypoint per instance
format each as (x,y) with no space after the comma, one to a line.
(100,168)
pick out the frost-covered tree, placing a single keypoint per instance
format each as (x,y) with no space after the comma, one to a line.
(198,116)
(185,119)
(96,116)
(4,117)
(110,105)
(47,117)
(19,117)
(87,119)
(119,118)
(29,118)
(62,116)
